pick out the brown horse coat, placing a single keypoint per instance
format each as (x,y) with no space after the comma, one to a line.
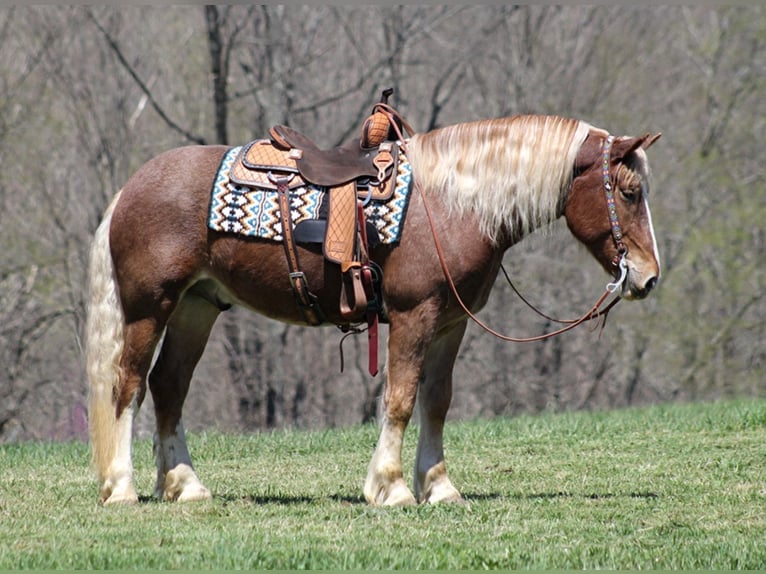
(159,273)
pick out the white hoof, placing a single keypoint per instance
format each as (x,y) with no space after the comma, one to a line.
(395,493)
(120,493)
(194,493)
(434,486)
(182,485)
(444,492)
(400,496)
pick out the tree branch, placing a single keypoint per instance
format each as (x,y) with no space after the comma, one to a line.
(143,87)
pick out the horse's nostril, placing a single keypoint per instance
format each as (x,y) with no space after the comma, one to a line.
(651,284)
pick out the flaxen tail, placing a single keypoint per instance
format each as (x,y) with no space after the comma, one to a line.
(104,340)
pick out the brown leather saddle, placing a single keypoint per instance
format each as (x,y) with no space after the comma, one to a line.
(354,173)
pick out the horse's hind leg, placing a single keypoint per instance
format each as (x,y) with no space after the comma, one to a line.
(185,337)
(118,356)
(431,481)
(115,434)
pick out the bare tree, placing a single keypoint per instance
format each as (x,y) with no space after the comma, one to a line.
(88,94)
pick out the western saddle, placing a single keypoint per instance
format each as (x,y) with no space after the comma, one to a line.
(354,174)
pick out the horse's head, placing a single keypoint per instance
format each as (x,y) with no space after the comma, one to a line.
(608,210)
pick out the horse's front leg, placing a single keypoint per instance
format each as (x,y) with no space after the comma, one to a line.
(434,396)
(408,340)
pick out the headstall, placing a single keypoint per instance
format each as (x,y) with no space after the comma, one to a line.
(619,259)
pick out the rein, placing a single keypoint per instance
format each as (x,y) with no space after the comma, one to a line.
(595,311)
(602,313)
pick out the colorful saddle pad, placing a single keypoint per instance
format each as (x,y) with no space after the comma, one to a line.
(255,212)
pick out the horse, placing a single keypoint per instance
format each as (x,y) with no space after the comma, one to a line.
(159,277)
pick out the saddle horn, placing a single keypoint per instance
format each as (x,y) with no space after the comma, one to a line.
(385,123)
(376,127)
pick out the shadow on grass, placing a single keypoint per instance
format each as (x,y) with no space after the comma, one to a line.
(259,499)
(288,500)
(346,500)
(588,496)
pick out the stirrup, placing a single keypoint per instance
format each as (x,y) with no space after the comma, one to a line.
(353,311)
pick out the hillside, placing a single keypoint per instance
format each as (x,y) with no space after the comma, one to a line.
(661,487)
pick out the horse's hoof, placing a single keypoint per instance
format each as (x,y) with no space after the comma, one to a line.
(454,498)
(122,496)
(194,493)
(400,497)
(182,485)
(444,493)
(397,494)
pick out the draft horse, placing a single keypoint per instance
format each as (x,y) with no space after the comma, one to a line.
(159,274)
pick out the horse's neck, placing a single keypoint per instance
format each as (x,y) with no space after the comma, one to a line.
(507,205)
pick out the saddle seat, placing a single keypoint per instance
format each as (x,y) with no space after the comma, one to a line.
(328,167)
(370,156)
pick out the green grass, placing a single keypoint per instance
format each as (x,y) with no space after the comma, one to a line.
(661,487)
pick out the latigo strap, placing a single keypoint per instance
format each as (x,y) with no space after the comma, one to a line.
(307,301)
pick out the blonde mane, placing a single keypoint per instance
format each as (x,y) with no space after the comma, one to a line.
(512,173)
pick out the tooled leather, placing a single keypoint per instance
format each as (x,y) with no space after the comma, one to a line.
(341,225)
(259,158)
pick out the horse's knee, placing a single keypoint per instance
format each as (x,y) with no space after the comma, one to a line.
(399,398)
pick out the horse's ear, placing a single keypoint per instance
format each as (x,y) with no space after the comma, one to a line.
(624,146)
(650,140)
(590,152)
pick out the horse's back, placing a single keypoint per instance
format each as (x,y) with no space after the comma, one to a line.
(177,181)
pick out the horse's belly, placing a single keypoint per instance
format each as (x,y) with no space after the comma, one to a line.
(255,275)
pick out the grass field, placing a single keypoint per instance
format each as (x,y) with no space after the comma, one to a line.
(661,487)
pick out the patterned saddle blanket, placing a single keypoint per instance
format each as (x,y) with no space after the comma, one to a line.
(253,210)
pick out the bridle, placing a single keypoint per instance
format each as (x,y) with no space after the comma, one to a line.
(595,311)
(622,249)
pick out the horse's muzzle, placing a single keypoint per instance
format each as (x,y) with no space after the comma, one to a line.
(635,291)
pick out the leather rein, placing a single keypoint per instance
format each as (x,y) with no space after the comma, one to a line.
(595,310)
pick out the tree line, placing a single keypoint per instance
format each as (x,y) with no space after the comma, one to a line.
(90,93)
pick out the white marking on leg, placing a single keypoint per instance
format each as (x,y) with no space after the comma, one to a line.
(384,485)
(176,479)
(431,481)
(118,486)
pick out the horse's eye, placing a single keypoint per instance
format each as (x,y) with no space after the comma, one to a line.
(629,194)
